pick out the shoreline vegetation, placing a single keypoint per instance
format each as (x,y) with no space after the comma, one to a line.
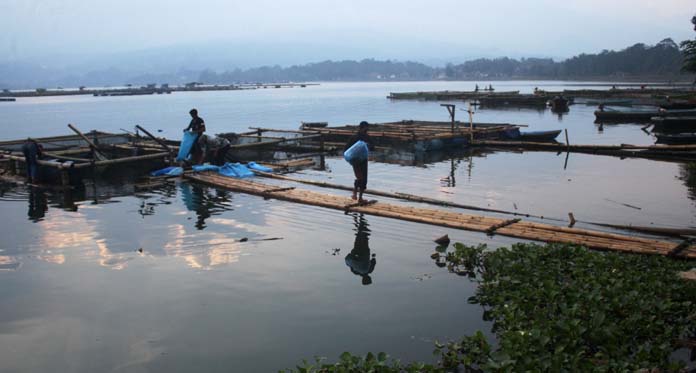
(559,308)
(640,62)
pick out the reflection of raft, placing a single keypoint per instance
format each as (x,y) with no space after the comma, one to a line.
(447,218)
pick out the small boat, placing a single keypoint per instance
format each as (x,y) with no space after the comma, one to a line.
(678,138)
(539,136)
(625,116)
(559,104)
(531,136)
(678,113)
(678,106)
(674,124)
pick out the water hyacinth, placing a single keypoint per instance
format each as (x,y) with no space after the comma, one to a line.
(562,308)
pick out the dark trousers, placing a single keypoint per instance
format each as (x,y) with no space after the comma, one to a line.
(360,170)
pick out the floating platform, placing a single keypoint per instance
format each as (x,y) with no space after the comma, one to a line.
(414,135)
(447,95)
(490,225)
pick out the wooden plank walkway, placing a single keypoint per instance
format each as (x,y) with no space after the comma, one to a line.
(491,225)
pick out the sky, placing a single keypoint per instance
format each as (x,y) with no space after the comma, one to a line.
(400,29)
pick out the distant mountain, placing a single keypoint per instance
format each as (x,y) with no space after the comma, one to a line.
(214,64)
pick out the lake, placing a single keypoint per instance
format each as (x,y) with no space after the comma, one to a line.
(185,277)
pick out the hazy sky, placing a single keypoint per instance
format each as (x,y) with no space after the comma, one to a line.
(503,27)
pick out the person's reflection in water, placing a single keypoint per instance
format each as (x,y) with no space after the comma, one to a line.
(38,204)
(359,259)
(205,205)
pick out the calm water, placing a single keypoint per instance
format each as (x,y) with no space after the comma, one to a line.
(78,295)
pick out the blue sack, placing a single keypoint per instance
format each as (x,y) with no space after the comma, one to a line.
(358,152)
(186,144)
(205,167)
(235,170)
(257,167)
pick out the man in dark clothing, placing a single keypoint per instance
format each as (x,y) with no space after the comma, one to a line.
(215,148)
(360,167)
(197,125)
(32,153)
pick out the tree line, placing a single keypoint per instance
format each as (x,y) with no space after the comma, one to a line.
(663,59)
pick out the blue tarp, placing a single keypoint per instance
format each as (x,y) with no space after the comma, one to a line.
(258,167)
(168,171)
(357,152)
(205,167)
(186,144)
(235,170)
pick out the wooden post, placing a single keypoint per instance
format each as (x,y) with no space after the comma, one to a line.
(450,110)
(322,159)
(64,177)
(567,142)
(471,125)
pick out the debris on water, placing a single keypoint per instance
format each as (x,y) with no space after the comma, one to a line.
(514,205)
(245,239)
(624,204)
(140,250)
(435,256)
(423,277)
(159,130)
(444,240)
(333,252)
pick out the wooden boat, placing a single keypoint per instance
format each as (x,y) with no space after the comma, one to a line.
(625,116)
(678,113)
(539,136)
(678,106)
(530,136)
(674,124)
(678,138)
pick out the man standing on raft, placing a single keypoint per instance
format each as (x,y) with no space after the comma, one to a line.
(197,125)
(360,167)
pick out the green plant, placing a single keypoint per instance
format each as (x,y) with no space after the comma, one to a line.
(562,308)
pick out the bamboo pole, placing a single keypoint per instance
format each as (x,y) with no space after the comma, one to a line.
(94,148)
(165,146)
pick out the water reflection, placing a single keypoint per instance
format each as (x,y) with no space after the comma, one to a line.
(688,176)
(204,203)
(38,204)
(359,260)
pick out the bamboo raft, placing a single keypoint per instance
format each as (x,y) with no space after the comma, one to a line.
(490,225)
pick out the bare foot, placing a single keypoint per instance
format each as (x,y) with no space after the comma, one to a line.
(353,197)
